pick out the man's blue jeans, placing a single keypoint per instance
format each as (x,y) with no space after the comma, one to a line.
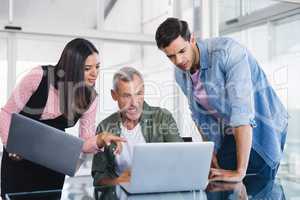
(227,160)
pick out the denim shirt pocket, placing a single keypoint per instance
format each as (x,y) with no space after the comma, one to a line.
(216,94)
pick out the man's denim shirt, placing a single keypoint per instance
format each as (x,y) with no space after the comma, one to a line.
(239,92)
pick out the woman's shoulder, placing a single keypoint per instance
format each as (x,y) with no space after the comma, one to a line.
(36,71)
(33,78)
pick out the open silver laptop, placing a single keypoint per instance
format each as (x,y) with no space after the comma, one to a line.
(169,167)
(44,145)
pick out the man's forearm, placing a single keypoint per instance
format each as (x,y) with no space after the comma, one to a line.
(243,140)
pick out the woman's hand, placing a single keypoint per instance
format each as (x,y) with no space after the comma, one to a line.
(106,138)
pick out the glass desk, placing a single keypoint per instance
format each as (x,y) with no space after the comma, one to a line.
(250,188)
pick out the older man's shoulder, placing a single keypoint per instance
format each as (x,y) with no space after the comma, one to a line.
(158,110)
(111,120)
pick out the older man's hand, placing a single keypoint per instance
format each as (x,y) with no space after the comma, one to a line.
(106,138)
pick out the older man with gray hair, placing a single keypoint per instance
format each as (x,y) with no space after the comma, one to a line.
(136,121)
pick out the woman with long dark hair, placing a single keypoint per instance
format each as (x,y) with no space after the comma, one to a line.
(58,96)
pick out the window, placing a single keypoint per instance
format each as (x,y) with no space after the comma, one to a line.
(3,68)
(32,52)
(254,5)
(229,9)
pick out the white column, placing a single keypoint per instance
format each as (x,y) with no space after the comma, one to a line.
(214,18)
(201,13)
(10,11)
(11,62)
(177,8)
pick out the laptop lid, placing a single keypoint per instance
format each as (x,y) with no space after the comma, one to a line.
(168,167)
(44,145)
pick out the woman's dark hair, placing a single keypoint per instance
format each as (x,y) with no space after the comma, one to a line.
(169,30)
(75,96)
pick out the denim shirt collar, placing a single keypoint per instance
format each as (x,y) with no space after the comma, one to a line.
(203,55)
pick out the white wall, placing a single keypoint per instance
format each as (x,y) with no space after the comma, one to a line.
(52,14)
(127,16)
(124,17)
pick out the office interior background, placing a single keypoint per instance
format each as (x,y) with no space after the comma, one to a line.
(123,31)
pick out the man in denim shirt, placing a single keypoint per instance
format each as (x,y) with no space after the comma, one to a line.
(231,101)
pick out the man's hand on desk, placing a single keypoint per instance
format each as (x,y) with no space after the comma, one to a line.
(218,174)
(225,175)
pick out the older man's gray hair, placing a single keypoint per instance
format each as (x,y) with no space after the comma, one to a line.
(125,74)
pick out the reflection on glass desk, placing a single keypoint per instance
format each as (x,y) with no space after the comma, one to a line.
(250,188)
